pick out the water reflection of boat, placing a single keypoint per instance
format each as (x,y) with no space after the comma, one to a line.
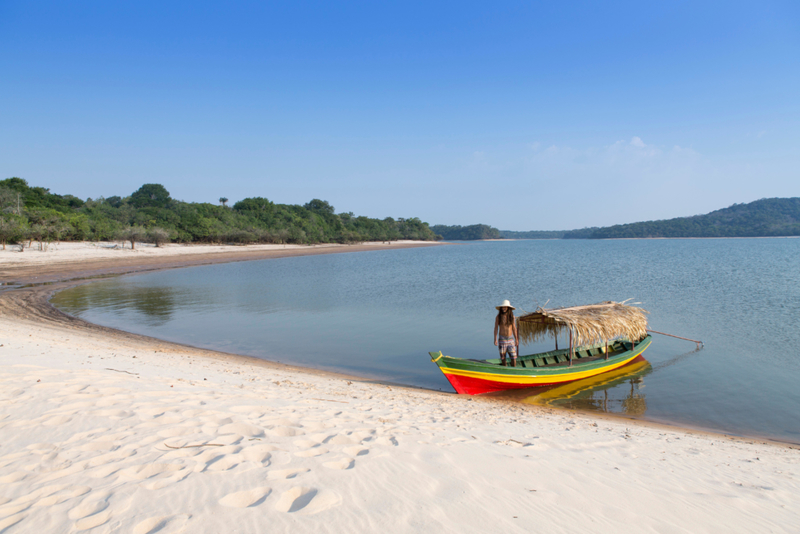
(593,393)
(603,338)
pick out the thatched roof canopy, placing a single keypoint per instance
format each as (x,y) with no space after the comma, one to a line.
(593,323)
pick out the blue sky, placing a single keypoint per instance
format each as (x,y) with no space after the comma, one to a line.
(525,116)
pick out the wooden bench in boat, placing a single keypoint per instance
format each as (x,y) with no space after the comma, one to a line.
(561,356)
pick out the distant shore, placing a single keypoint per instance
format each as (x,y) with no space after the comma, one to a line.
(112,431)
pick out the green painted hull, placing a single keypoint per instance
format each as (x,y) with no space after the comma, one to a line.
(544,369)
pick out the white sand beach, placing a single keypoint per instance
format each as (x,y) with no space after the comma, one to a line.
(106,432)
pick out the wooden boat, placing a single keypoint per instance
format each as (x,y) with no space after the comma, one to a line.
(603,337)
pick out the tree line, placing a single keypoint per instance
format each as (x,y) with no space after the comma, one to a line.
(466,233)
(150,214)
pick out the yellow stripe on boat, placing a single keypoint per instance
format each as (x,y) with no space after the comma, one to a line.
(541,379)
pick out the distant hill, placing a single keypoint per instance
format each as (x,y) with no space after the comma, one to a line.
(762,218)
(466,233)
(546,234)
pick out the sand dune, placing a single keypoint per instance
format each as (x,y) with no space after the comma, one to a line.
(104,433)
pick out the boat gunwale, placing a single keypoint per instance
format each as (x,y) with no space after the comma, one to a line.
(561,368)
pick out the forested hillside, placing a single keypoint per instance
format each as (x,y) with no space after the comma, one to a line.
(765,217)
(547,234)
(762,218)
(150,214)
(466,233)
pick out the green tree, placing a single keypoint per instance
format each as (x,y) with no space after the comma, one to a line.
(158,236)
(12,229)
(150,196)
(320,206)
(133,234)
(10,200)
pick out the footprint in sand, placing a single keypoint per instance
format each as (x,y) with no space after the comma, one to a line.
(41,448)
(228,439)
(316,426)
(13,477)
(143,472)
(12,509)
(162,524)
(282,421)
(64,495)
(306,501)
(10,521)
(244,409)
(90,505)
(341,439)
(244,429)
(356,451)
(295,499)
(306,443)
(113,456)
(226,457)
(114,414)
(160,483)
(258,453)
(104,471)
(223,464)
(286,473)
(245,499)
(40,493)
(364,435)
(99,446)
(310,453)
(175,431)
(344,463)
(93,521)
(150,412)
(91,512)
(284,431)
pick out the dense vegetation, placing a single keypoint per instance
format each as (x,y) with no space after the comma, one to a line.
(548,234)
(150,214)
(466,233)
(762,218)
(765,217)
(533,234)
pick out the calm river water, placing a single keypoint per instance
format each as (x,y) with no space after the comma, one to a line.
(377,314)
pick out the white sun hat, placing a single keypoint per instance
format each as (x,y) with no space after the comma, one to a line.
(505,304)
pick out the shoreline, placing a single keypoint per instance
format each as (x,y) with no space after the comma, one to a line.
(110,431)
(65,275)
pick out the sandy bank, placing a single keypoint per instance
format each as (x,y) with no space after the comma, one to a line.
(104,431)
(87,259)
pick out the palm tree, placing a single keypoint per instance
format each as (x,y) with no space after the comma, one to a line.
(223,200)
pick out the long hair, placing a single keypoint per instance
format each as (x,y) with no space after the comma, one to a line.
(507,318)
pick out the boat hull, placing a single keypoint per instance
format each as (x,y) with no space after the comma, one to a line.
(472,377)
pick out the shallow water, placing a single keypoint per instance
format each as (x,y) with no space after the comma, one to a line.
(378,313)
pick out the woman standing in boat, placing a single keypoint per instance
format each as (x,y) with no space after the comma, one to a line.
(506,325)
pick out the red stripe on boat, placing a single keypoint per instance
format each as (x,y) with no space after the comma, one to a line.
(467,385)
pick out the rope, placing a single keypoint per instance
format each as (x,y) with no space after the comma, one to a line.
(699,343)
